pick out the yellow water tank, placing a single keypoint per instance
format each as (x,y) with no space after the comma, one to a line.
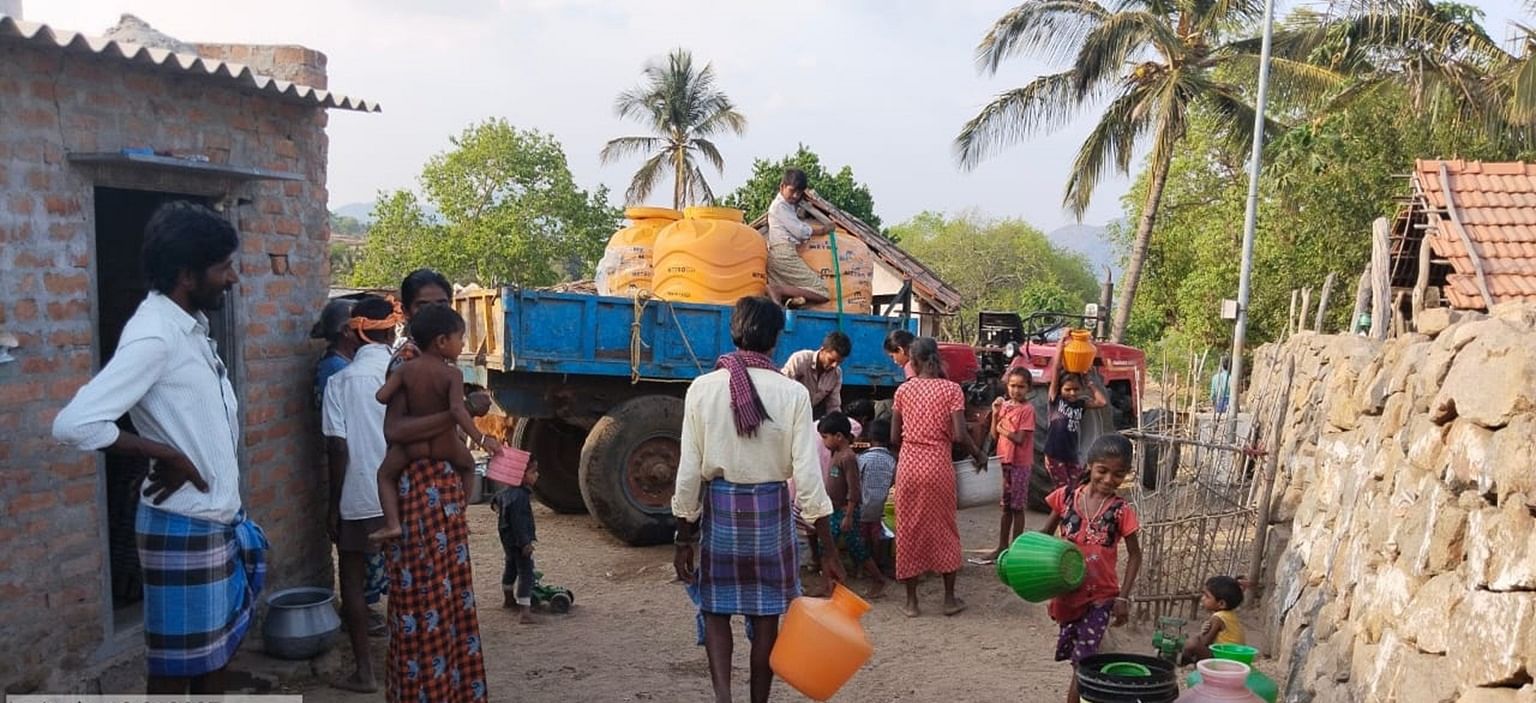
(625,268)
(710,256)
(858,266)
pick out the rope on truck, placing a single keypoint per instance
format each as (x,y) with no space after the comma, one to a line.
(641,301)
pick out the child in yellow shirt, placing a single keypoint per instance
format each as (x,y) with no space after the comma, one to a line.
(1221,597)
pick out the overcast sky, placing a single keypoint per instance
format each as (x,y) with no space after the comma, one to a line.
(880,85)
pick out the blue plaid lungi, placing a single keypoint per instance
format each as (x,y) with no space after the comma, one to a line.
(201,581)
(748,564)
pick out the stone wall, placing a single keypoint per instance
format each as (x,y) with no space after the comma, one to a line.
(55,607)
(1407,565)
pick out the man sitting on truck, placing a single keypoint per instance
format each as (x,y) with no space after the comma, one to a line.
(791,283)
(820,371)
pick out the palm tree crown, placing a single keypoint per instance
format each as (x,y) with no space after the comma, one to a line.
(1153,62)
(683,109)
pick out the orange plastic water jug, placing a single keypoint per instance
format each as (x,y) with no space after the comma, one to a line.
(1077,356)
(625,268)
(710,256)
(857,263)
(821,644)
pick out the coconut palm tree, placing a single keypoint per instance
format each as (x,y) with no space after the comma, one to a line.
(1439,53)
(1151,63)
(681,106)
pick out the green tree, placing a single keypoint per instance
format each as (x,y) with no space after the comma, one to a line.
(1323,183)
(508,212)
(838,188)
(681,106)
(1153,62)
(1021,269)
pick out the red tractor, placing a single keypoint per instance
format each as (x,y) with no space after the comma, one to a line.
(1006,341)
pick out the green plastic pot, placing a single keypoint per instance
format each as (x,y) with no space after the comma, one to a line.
(1039,567)
(1234,652)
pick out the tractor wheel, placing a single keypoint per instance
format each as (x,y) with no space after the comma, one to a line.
(629,466)
(561,602)
(556,446)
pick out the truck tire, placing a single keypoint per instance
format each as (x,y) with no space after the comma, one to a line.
(557,447)
(629,466)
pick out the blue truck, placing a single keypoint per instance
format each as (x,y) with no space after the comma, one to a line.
(593,386)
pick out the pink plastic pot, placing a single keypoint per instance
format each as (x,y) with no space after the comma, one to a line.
(507,466)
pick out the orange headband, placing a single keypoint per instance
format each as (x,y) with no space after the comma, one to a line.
(395,318)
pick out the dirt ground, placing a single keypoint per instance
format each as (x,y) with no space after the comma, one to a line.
(630,636)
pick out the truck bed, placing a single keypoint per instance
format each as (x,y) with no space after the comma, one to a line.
(523,331)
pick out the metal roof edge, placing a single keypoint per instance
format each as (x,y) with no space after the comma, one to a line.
(38,35)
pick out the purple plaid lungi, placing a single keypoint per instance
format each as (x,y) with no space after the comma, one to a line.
(747,559)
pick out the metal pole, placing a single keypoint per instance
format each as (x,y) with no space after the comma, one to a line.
(1250,221)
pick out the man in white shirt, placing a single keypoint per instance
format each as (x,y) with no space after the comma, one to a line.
(746,432)
(352,420)
(203,561)
(791,283)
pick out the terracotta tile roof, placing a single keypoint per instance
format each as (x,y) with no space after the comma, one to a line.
(926,284)
(234,75)
(1496,204)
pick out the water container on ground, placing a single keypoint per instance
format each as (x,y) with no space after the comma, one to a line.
(709,256)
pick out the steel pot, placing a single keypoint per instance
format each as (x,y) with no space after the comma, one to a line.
(301,623)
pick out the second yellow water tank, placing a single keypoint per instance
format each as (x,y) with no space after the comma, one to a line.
(709,256)
(625,268)
(858,267)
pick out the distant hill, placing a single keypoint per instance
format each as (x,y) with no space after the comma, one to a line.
(362,212)
(1091,241)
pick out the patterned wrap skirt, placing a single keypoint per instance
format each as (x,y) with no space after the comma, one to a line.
(748,564)
(434,632)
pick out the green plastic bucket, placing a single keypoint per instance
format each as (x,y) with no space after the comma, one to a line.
(1039,567)
(1234,652)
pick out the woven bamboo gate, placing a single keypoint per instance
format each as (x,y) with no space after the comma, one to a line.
(1213,478)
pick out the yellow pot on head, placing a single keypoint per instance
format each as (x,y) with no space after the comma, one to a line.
(1077,356)
(709,256)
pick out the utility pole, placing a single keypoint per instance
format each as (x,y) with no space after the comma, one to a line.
(1250,221)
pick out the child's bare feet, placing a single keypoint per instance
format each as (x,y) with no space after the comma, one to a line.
(877,591)
(954,607)
(385,533)
(509,601)
(527,617)
(910,609)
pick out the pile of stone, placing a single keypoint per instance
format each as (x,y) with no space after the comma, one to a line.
(1408,494)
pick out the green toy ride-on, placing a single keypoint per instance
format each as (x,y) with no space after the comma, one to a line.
(557,598)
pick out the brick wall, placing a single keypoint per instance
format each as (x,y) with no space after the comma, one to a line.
(55,620)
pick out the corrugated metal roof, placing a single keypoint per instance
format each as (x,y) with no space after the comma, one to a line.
(232,74)
(1496,203)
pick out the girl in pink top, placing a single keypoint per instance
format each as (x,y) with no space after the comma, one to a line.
(1094,517)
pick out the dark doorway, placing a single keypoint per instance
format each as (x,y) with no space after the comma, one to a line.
(120,287)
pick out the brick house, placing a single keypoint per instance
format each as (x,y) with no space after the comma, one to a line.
(93,135)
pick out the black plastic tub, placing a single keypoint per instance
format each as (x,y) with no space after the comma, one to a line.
(1157,685)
